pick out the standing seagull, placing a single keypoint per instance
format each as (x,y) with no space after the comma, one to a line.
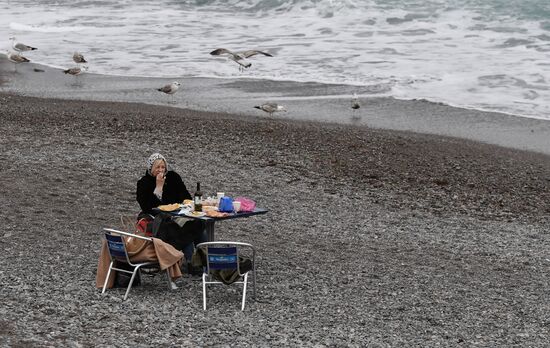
(19,47)
(78,58)
(355,106)
(170,89)
(76,70)
(270,108)
(16,58)
(355,102)
(238,57)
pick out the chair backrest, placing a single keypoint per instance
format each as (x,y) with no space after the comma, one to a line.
(222,258)
(117,247)
(225,255)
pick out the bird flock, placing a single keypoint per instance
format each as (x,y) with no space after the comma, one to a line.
(239,57)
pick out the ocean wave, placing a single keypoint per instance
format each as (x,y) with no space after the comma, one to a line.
(324,8)
(44,29)
(466,54)
(490,9)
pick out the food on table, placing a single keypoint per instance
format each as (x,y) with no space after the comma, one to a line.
(170,207)
(213,213)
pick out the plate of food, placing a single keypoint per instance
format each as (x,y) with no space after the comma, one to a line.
(170,207)
(194,213)
(214,213)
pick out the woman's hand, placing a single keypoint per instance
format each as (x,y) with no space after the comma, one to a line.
(161,177)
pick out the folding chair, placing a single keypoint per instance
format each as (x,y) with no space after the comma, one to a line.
(224,256)
(119,254)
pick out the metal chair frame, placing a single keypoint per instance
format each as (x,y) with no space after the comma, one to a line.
(118,253)
(224,255)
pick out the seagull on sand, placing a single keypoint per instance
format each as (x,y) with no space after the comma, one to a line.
(20,47)
(76,70)
(355,106)
(78,58)
(170,89)
(16,58)
(355,102)
(239,57)
(270,108)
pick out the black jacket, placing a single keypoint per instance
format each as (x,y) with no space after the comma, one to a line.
(174,191)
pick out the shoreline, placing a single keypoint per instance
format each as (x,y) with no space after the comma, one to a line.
(304,101)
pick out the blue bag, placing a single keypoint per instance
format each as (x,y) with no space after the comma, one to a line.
(226,205)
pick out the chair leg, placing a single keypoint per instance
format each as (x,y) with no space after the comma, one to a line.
(254,279)
(107,277)
(204,291)
(136,270)
(171,284)
(244,290)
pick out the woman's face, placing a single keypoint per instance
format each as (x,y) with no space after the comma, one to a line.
(159,167)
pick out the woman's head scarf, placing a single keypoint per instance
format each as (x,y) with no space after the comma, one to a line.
(152,159)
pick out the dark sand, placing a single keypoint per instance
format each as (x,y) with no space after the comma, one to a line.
(374,238)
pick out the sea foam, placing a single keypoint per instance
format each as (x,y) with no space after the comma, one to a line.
(44,29)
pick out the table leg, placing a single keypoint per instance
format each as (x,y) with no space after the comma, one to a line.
(210,230)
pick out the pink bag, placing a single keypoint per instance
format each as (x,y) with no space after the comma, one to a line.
(246,203)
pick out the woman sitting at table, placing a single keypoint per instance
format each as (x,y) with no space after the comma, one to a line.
(162,186)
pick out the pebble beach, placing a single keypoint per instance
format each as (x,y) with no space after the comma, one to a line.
(374,237)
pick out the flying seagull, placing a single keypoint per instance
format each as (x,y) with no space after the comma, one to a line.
(19,47)
(239,57)
(79,58)
(270,108)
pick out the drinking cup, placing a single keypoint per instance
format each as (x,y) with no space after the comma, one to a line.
(236,206)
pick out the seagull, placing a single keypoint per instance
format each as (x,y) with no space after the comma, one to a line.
(355,102)
(237,57)
(76,70)
(355,106)
(79,58)
(270,108)
(19,47)
(16,58)
(170,89)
